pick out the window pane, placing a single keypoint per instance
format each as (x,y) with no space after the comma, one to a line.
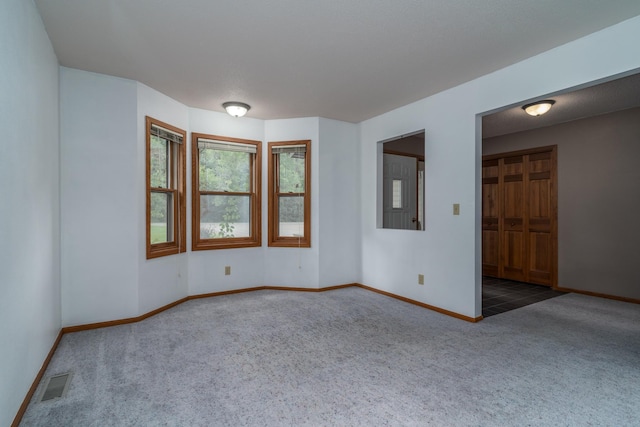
(291,216)
(225,216)
(291,173)
(222,170)
(161,217)
(159,163)
(397,194)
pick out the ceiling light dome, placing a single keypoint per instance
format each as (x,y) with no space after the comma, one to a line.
(236,109)
(538,108)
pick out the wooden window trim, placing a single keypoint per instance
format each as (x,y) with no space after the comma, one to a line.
(255,191)
(178,190)
(274,239)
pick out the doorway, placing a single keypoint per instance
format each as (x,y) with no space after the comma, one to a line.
(595,129)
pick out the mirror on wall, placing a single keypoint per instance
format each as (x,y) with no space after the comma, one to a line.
(403,173)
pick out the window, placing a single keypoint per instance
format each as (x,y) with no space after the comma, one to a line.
(226,180)
(290,194)
(397,194)
(165,179)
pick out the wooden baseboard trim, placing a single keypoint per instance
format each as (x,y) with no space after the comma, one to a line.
(288,288)
(97,325)
(328,288)
(333,288)
(599,295)
(86,327)
(222,293)
(36,381)
(423,305)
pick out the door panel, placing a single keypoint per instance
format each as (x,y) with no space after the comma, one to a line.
(490,208)
(539,199)
(513,206)
(540,218)
(400,209)
(513,261)
(490,252)
(513,218)
(512,166)
(540,162)
(490,218)
(540,258)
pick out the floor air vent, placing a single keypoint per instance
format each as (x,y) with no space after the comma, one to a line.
(56,387)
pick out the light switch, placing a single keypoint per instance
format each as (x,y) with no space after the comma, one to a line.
(456,208)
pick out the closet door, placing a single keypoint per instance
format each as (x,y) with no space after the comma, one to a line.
(519,216)
(513,218)
(541,215)
(490,218)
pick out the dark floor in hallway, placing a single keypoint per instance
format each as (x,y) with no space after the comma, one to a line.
(500,295)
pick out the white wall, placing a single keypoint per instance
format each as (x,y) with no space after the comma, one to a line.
(449,251)
(163,280)
(29,206)
(294,267)
(206,268)
(339,203)
(100,197)
(444,252)
(598,199)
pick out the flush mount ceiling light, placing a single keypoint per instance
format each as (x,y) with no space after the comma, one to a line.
(538,108)
(236,109)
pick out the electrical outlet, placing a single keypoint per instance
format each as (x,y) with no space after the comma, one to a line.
(227,270)
(456,208)
(420,279)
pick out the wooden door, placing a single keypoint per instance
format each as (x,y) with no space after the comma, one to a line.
(513,218)
(519,216)
(541,221)
(490,217)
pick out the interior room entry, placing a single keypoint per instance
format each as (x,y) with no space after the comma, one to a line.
(403,182)
(519,216)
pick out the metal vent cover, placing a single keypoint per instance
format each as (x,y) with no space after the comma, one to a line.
(56,386)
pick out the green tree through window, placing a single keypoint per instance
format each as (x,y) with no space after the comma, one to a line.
(165,189)
(225,192)
(289,193)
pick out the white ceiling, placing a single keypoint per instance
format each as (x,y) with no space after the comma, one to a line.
(343,59)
